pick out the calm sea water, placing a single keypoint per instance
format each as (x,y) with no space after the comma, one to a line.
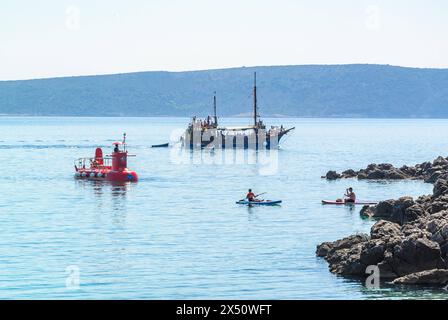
(178,233)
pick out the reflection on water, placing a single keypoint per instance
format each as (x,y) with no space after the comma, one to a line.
(391,291)
(100,187)
(263,162)
(110,197)
(114,192)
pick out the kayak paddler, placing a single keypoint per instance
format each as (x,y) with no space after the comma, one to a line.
(250,195)
(350,195)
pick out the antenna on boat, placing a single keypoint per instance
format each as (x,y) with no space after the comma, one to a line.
(255,99)
(124,141)
(214,109)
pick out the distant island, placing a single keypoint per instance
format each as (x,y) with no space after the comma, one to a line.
(376,91)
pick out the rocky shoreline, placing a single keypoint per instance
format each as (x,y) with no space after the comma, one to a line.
(409,242)
(427,171)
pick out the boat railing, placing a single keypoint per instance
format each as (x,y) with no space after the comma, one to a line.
(97,163)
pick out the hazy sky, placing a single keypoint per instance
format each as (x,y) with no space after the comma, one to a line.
(56,38)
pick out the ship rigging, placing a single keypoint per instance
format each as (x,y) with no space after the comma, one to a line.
(205,133)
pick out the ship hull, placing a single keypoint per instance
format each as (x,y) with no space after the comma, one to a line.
(233,141)
(107,175)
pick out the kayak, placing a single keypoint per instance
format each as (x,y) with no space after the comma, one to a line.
(260,203)
(348,203)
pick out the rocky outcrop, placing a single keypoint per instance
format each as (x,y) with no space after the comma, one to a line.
(428,171)
(427,277)
(397,251)
(408,243)
(324,249)
(400,211)
(332,175)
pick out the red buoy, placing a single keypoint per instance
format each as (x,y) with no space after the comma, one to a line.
(110,168)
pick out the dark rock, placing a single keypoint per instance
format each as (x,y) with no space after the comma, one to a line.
(399,209)
(366,211)
(414,255)
(383,229)
(385,208)
(396,256)
(413,213)
(362,175)
(410,242)
(385,166)
(409,171)
(434,222)
(438,228)
(396,175)
(438,206)
(346,261)
(332,175)
(425,166)
(349,173)
(427,277)
(415,232)
(440,161)
(376,174)
(426,171)
(434,169)
(433,177)
(372,253)
(440,188)
(444,251)
(386,271)
(343,255)
(323,249)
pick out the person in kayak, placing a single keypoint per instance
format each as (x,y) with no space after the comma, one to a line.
(350,195)
(251,196)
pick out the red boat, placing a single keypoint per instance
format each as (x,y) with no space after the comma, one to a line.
(108,168)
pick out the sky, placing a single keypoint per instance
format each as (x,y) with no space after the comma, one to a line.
(45,38)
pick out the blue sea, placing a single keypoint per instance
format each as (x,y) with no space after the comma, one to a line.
(177,233)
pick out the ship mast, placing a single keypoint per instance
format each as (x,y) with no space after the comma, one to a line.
(214,109)
(255,99)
